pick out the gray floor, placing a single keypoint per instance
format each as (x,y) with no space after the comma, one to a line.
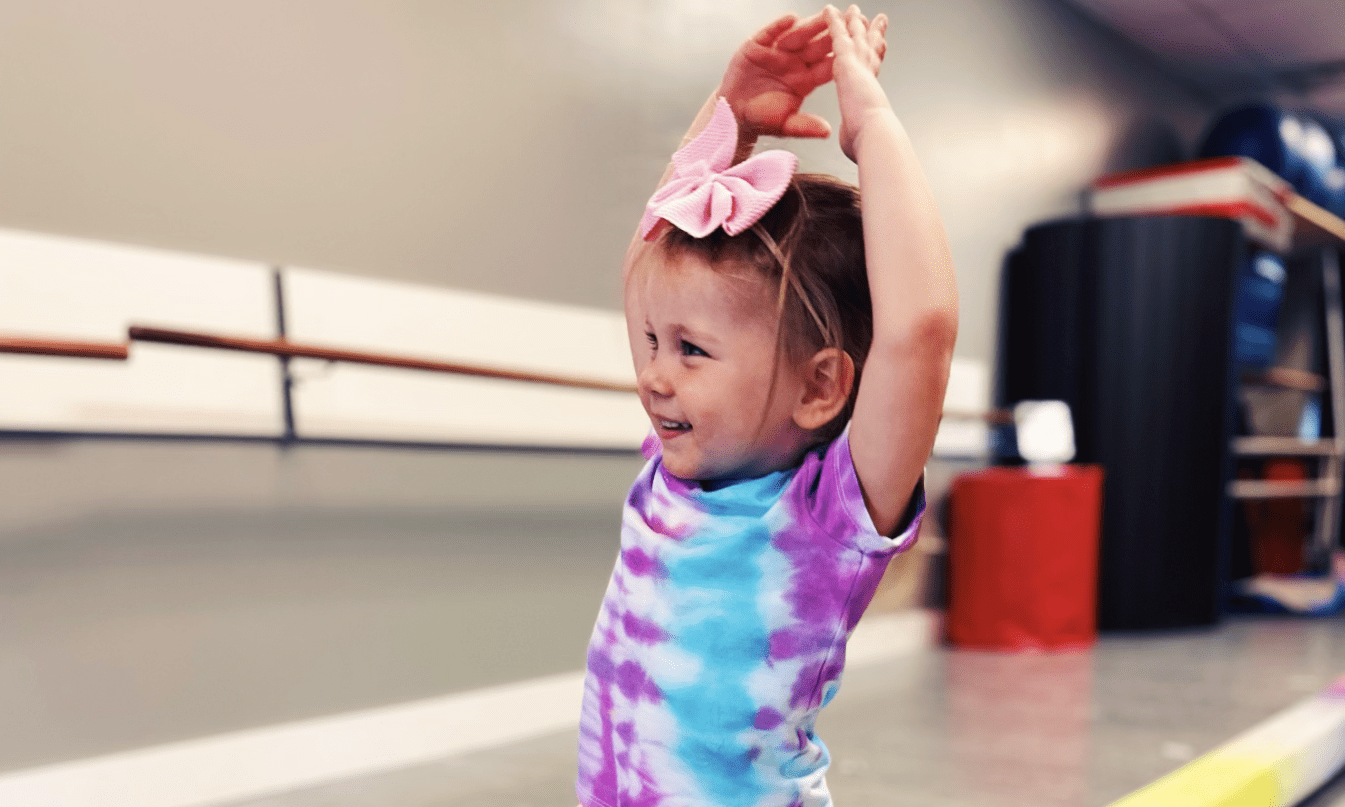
(949,728)
(150,637)
(159,592)
(151,593)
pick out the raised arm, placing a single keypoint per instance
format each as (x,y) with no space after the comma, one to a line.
(911,280)
(765,84)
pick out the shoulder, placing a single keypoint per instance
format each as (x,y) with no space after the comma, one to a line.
(827,488)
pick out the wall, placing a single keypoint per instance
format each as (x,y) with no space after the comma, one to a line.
(509,147)
(158,591)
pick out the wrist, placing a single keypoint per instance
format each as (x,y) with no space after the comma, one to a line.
(875,122)
(747,137)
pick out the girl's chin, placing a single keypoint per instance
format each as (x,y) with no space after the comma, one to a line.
(691,472)
(694,467)
(682,467)
(682,471)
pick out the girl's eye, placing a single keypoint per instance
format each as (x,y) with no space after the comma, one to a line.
(653,340)
(689,349)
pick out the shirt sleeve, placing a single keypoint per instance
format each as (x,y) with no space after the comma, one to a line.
(827,488)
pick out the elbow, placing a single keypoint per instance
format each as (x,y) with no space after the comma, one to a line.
(939,327)
(930,332)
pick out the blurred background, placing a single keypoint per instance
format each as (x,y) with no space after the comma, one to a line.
(196,543)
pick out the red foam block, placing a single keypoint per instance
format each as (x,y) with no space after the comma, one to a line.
(1023,554)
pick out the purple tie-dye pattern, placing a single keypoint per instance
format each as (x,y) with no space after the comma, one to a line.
(767,718)
(642,630)
(788,643)
(807,684)
(662,527)
(631,678)
(824,561)
(640,563)
(599,665)
(865,587)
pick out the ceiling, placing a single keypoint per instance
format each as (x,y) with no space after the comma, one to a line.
(1288,51)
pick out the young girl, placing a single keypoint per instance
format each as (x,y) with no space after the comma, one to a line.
(792,346)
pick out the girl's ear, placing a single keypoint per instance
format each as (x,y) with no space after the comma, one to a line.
(828,378)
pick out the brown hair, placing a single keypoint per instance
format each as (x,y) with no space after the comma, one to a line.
(810,248)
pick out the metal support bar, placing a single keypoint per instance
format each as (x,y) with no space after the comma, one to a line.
(286,377)
(1328,509)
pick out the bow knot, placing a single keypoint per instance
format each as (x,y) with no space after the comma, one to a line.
(707,191)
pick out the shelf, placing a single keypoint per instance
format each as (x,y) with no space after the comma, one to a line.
(1261,489)
(1315,226)
(1283,447)
(1273,216)
(1235,188)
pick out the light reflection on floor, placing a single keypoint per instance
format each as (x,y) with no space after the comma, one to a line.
(945,728)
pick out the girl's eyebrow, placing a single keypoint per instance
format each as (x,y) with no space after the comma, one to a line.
(683,331)
(693,335)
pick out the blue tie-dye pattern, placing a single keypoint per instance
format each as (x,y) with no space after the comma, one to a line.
(728,634)
(751,584)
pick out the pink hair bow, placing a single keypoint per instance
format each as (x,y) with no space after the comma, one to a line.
(707,191)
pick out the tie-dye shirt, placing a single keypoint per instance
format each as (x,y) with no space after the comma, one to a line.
(722,635)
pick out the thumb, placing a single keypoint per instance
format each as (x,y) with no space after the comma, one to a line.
(806,124)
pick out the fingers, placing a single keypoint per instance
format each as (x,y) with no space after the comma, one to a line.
(803,32)
(856,23)
(806,124)
(770,59)
(816,50)
(816,74)
(767,36)
(852,34)
(789,45)
(840,34)
(878,36)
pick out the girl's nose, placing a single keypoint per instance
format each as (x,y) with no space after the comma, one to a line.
(653,380)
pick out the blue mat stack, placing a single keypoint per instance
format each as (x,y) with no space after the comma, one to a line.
(1308,152)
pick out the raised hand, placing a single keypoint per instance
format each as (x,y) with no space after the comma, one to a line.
(858,48)
(771,74)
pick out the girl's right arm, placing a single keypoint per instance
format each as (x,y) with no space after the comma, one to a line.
(765,85)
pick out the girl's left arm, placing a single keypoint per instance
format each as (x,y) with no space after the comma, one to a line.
(911,281)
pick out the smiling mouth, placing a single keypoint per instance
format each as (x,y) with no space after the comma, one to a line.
(672,425)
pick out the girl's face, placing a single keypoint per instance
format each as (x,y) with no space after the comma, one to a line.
(704,349)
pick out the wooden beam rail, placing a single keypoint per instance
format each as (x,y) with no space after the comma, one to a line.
(995,417)
(64,347)
(1285,378)
(288,349)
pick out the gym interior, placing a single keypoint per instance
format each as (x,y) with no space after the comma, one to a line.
(316,413)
